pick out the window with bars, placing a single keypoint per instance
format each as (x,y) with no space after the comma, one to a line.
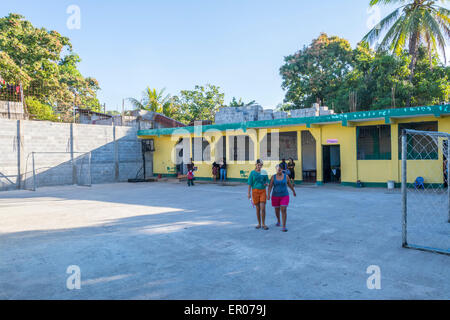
(373,142)
(221,148)
(268,147)
(421,147)
(241,148)
(200,149)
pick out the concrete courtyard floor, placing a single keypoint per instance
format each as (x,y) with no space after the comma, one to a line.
(163,240)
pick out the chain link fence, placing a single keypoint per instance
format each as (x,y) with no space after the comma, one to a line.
(425,190)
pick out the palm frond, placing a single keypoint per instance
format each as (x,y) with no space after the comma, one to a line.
(433,27)
(392,35)
(136,103)
(375,32)
(388,2)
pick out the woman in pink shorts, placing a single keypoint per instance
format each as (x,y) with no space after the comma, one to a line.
(280,195)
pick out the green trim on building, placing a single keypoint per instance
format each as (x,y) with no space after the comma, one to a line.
(369,184)
(342,118)
(166,175)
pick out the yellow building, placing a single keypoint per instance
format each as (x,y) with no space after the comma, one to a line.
(345,148)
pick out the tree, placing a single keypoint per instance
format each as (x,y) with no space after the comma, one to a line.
(241,103)
(372,79)
(412,24)
(152,100)
(44,63)
(199,104)
(311,74)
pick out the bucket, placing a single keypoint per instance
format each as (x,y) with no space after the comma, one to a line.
(390,184)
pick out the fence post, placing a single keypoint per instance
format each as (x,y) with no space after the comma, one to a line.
(34,172)
(404,190)
(74,168)
(90,168)
(19,154)
(116,155)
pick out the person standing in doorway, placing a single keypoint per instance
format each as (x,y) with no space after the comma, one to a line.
(215,170)
(257,183)
(291,168)
(280,195)
(223,170)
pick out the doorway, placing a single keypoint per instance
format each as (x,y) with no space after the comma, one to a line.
(331,164)
(181,156)
(308,154)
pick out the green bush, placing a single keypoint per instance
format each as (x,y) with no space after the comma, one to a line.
(39,110)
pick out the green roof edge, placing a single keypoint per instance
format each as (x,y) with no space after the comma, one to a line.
(436,110)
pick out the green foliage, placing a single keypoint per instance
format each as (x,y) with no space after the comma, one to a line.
(199,104)
(315,72)
(152,100)
(376,79)
(40,110)
(235,103)
(414,23)
(36,58)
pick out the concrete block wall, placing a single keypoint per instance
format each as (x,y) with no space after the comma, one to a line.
(8,154)
(256,112)
(11,110)
(314,111)
(51,168)
(238,114)
(115,154)
(266,114)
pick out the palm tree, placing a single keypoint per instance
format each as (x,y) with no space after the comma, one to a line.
(414,23)
(152,100)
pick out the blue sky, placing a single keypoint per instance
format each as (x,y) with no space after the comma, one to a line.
(238,45)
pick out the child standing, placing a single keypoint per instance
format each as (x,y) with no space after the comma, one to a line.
(190,177)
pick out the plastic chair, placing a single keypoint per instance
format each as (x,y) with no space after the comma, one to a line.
(244,174)
(419,183)
(171,169)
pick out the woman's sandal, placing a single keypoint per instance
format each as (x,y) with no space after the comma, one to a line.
(266,228)
(284,230)
(278,224)
(258,227)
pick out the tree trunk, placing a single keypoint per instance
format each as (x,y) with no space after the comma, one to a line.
(413,52)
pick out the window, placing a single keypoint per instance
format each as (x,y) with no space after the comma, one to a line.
(374,142)
(200,149)
(221,148)
(279,145)
(269,146)
(419,147)
(288,145)
(241,148)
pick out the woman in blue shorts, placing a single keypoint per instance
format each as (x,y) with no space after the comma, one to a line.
(280,195)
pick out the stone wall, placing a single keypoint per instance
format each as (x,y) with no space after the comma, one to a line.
(11,110)
(257,113)
(61,154)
